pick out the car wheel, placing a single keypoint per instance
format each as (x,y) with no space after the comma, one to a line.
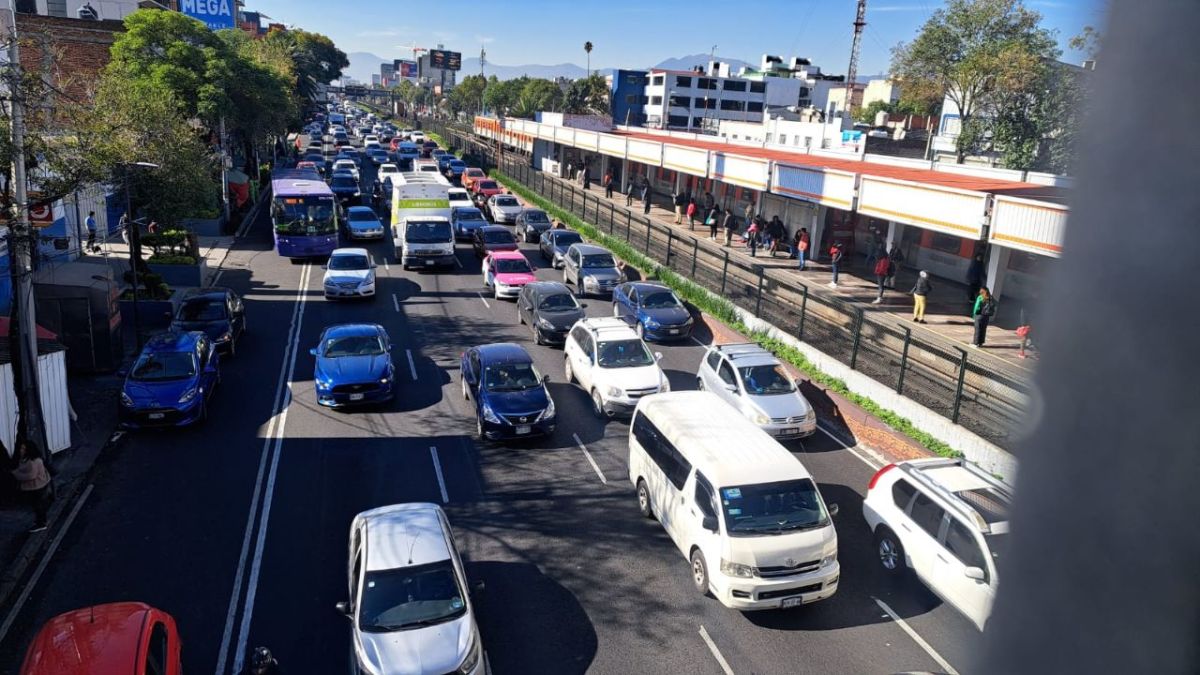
(566,278)
(597,404)
(699,572)
(890,552)
(466,391)
(643,497)
(479,435)
(699,384)
(496,292)
(537,337)
(568,372)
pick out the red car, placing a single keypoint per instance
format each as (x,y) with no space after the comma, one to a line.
(470,175)
(121,638)
(487,188)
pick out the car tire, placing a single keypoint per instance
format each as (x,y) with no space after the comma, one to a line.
(479,435)
(699,384)
(566,279)
(537,337)
(643,497)
(699,571)
(890,552)
(597,404)
(466,391)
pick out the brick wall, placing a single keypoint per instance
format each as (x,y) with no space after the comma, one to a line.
(72,52)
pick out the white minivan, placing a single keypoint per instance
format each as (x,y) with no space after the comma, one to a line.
(742,509)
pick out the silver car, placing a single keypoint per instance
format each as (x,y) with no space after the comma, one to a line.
(504,209)
(755,383)
(592,269)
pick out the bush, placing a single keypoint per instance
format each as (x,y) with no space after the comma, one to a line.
(168,259)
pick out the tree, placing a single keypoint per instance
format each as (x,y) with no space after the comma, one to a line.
(587,47)
(1037,131)
(543,95)
(587,96)
(1088,42)
(867,113)
(502,95)
(976,53)
(467,95)
(319,58)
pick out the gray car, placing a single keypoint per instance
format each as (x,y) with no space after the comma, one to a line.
(531,224)
(753,381)
(591,268)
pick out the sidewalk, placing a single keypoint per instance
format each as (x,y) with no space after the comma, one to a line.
(212,249)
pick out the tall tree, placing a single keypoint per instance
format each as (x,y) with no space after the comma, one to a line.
(587,47)
(542,95)
(975,53)
(587,96)
(1037,131)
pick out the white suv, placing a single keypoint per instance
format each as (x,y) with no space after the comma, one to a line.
(947,520)
(612,364)
(755,383)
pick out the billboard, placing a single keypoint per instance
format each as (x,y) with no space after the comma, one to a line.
(405,68)
(216,14)
(440,58)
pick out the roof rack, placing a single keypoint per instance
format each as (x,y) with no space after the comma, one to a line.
(742,349)
(916,471)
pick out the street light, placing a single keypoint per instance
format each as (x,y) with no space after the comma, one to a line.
(135,244)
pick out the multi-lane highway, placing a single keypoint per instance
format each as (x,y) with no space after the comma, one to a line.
(239,527)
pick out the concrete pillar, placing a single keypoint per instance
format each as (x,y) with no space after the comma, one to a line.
(678,183)
(624,176)
(603,166)
(997,267)
(815,231)
(895,234)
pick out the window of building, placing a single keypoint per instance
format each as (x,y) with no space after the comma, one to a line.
(655,100)
(731,105)
(770,137)
(677,121)
(698,122)
(632,99)
(645,100)
(706,83)
(706,103)
(754,106)
(56,8)
(734,85)
(803,92)
(783,139)
(681,101)
(683,81)
(947,243)
(658,80)
(758,87)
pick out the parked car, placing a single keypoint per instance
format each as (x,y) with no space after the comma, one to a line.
(554,244)
(386,171)
(460,197)
(353,365)
(503,209)
(362,223)
(470,175)
(119,638)
(531,223)
(378,155)
(550,309)
(311,164)
(218,312)
(491,238)
(591,268)
(947,521)
(410,609)
(755,383)
(171,381)
(653,310)
(465,220)
(510,396)
(349,274)
(505,272)
(612,365)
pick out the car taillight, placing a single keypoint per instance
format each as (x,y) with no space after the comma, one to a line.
(875,478)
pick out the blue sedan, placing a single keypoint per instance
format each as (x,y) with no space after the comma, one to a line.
(653,309)
(511,399)
(354,365)
(171,382)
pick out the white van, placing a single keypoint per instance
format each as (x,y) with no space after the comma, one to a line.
(745,513)
(421,234)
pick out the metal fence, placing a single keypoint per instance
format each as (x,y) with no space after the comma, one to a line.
(937,374)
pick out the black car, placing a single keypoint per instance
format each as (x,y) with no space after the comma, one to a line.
(344,187)
(489,238)
(554,244)
(531,223)
(550,309)
(216,311)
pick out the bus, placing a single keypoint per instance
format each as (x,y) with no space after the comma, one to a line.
(304,214)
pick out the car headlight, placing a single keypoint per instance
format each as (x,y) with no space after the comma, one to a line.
(188,395)
(732,569)
(829,559)
(545,325)
(490,415)
(615,392)
(383,380)
(760,418)
(549,412)
(589,281)
(665,385)
(366,282)
(810,416)
(501,284)
(651,323)
(126,400)
(474,653)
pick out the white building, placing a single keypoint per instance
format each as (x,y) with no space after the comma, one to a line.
(699,99)
(107,9)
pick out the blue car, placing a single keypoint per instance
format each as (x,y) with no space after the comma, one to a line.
(354,365)
(443,161)
(171,382)
(511,400)
(465,220)
(653,309)
(455,168)
(406,153)
(344,187)
(362,223)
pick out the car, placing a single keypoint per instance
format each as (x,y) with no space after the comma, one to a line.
(490,238)
(653,310)
(427,148)
(465,220)
(371,137)
(410,608)
(344,186)
(591,268)
(755,383)
(947,521)
(118,638)
(419,137)
(377,155)
(505,272)
(504,208)
(471,174)
(347,165)
(455,168)
(443,160)
(386,171)
(612,365)
(341,140)
(406,153)
(171,381)
(487,188)
(311,164)
(554,244)
(460,197)
(349,274)
(510,396)
(316,158)
(363,223)
(218,312)
(550,309)
(315,145)
(353,365)
(531,223)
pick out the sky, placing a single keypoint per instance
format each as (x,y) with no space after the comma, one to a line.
(641,33)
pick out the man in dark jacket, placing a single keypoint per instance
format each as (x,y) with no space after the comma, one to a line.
(646,198)
(778,234)
(729,223)
(680,201)
(895,257)
(974,278)
(919,292)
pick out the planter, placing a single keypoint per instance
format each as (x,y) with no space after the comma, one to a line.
(181,275)
(205,227)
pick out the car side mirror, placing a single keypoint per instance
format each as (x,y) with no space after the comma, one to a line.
(709,523)
(973,573)
(313,351)
(731,388)
(545,379)
(343,608)
(658,356)
(833,509)
(583,305)
(478,587)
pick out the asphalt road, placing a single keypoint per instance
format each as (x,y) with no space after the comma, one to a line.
(239,528)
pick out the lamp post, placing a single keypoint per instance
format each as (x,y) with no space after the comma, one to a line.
(135,244)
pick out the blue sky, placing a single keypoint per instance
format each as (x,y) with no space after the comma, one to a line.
(638,33)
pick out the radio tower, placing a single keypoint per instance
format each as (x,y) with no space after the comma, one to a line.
(860,21)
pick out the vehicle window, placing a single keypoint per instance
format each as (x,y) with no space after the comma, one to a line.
(357,214)
(156,650)
(962,545)
(565,239)
(512,266)
(354,345)
(349,262)
(559,302)
(772,508)
(343,181)
(767,380)
(714,359)
(511,377)
(589,346)
(536,217)
(202,309)
(633,295)
(163,366)
(579,334)
(927,515)
(409,597)
(725,372)
(624,354)
(427,232)
(506,201)
(705,498)
(598,260)
(473,360)
(902,493)
(659,300)
(487,185)
(499,237)
(661,451)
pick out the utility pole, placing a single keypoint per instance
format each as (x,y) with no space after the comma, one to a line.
(712,54)
(224,176)
(860,22)
(482,92)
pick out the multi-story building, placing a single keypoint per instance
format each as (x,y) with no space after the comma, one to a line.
(387,74)
(701,98)
(440,79)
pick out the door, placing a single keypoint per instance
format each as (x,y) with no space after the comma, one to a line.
(960,550)
(585,362)
(701,503)
(489,273)
(629,302)
(728,380)
(708,371)
(921,533)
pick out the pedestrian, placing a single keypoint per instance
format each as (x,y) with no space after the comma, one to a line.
(607,181)
(34,481)
(680,200)
(587,177)
(1025,332)
(568,175)
(713,221)
(835,260)
(749,212)
(262,662)
(691,213)
(709,202)
(91,228)
(630,192)
(895,257)
(778,233)
(919,292)
(873,249)
(802,247)
(123,226)
(882,265)
(558,225)
(152,228)
(730,225)
(984,310)
(752,238)
(974,278)
(646,198)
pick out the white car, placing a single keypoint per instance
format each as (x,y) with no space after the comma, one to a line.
(755,383)
(349,274)
(346,165)
(386,171)
(410,608)
(417,136)
(459,197)
(372,145)
(612,365)
(947,521)
(504,208)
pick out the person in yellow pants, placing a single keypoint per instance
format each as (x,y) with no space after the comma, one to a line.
(919,291)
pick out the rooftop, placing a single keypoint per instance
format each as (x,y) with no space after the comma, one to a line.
(403,535)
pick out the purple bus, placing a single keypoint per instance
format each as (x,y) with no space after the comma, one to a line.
(303,214)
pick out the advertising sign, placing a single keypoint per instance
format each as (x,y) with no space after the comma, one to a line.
(406,68)
(216,14)
(440,58)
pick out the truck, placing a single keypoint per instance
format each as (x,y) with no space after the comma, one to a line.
(421,233)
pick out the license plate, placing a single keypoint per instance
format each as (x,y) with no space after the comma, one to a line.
(791,602)
(429,263)
(524,429)
(789,432)
(156,416)
(356,397)
(674,331)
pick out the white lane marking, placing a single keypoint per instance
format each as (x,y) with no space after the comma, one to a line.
(875,462)
(485,302)
(590,459)
(712,647)
(412,366)
(458,262)
(37,572)
(917,638)
(693,338)
(395,302)
(437,468)
(385,265)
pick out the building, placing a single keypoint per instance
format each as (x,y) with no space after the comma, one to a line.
(440,79)
(835,100)
(699,99)
(114,10)
(815,86)
(628,89)
(387,74)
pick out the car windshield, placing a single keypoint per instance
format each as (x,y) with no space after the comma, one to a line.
(353,345)
(427,232)
(499,237)
(598,260)
(506,201)
(512,266)
(303,215)
(470,215)
(349,261)
(356,214)
(772,508)
(511,377)
(410,597)
(624,354)
(536,217)
(565,239)
(457,164)
(559,302)
(659,300)
(343,182)
(202,309)
(487,185)
(766,380)
(475,173)
(163,366)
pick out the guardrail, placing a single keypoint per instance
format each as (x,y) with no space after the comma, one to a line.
(940,375)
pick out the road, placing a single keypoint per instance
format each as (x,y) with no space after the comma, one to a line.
(239,528)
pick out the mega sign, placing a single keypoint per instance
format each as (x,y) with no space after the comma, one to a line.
(216,14)
(444,60)
(405,68)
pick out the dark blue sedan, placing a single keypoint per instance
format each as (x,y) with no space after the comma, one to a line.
(216,311)
(511,400)
(354,365)
(653,309)
(171,382)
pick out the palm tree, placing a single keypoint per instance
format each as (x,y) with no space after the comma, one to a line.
(587,47)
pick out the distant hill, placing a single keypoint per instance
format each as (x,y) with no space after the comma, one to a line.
(470,66)
(363,65)
(688,62)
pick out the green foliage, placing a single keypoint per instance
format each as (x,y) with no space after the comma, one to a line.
(1038,131)
(467,95)
(167,259)
(588,96)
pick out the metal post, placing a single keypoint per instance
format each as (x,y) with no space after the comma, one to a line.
(628,224)
(758,294)
(670,239)
(962,378)
(135,257)
(695,255)
(724,273)
(612,217)
(858,324)
(803,314)
(646,250)
(903,361)
(224,174)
